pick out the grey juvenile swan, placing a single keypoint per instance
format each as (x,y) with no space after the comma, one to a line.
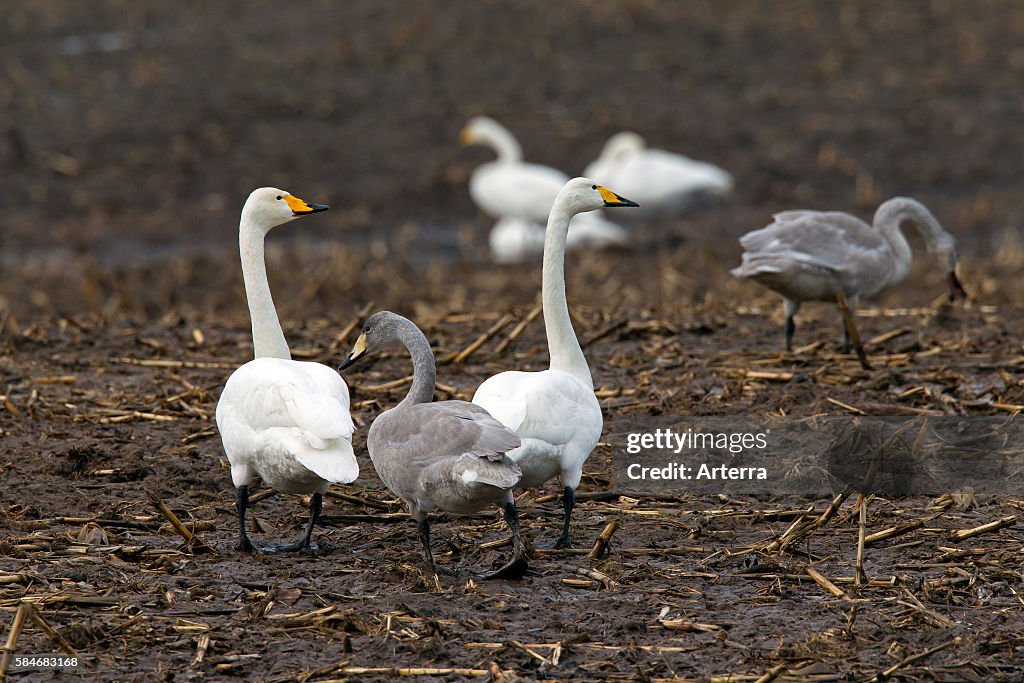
(825,256)
(446,455)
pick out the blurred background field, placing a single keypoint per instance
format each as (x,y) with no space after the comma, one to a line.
(132,133)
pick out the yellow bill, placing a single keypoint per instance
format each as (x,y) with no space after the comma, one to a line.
(357,352)
(300,208)
(612,199)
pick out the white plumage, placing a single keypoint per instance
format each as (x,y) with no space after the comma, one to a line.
(520,196)
(554,411)
(515,189)
(284,421)
(555,414)
(664,183)
(287,422)
(517,239)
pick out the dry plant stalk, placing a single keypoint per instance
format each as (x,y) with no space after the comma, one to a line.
(823,581)
(193,541)
(12,636)
(603,542)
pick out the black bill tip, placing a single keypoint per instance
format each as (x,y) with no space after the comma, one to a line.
(620,201)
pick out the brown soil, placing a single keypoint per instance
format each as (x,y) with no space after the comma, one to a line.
(122,314)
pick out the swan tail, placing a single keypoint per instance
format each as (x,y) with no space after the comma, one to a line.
(335,461)
(503,473)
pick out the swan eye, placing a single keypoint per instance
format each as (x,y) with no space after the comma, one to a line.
(279,197)
(593,187)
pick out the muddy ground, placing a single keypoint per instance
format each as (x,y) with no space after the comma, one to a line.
(135,130)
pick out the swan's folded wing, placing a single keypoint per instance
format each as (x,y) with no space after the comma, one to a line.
(319,415)
(523,190)
(548,405)
(669,172)
(298,407)
(427,434)
(825,240)
(559,407)
(504,396)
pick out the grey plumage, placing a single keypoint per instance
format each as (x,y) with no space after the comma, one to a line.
(447,455)
(822,255)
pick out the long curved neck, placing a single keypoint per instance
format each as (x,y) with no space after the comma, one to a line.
(504,145)
(566,354)
(424,372)
(267,337)
(888,220)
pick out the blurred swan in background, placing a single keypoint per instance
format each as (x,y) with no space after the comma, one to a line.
(283,420)
(517,239)
(520,196)
(822,255)
(554,411)
(663,183)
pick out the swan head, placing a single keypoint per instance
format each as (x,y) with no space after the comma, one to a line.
(269,207)
(379,330)
(583,194)
(481,129)
(940,244)
(622,145)
(944,251)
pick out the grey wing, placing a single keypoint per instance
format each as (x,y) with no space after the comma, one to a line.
(445,438)
(836,241)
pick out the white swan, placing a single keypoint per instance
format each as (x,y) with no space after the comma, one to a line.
(283,420)
(665,184)
(509,188)
(516,239)
(554,411)
(817,255)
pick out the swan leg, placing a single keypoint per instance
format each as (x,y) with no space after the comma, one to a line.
(790,307)
(851,330)
(241,503)
(423,527)
(517,565)
(316,506)
(568,503)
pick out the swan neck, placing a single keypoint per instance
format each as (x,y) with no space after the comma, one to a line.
(424,371)
(267,337)
(564,347)
(505,145)
(889,220)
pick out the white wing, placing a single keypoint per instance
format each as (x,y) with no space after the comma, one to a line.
(675,173)
(273,409)
(516,190)
(551,406)
(660,181)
